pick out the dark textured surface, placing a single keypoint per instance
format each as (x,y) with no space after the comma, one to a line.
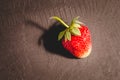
(25,55)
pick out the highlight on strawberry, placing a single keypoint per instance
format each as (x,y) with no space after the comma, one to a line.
(75,38)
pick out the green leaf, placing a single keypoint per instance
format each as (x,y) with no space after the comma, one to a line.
(78,22)
(74,20)
(75,31)
(61,34)
(67,36)
(76,25)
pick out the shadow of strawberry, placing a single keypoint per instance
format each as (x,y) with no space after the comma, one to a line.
(50,39)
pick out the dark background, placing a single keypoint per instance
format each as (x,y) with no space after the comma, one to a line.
(28,46)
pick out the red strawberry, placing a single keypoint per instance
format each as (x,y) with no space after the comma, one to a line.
(76,38)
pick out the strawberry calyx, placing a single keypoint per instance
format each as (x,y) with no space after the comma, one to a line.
(72,29)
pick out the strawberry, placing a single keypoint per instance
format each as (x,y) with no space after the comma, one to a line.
(76,38)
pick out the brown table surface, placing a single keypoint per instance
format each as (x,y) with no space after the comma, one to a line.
(29,49)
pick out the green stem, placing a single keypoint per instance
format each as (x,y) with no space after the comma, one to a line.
(60,20)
